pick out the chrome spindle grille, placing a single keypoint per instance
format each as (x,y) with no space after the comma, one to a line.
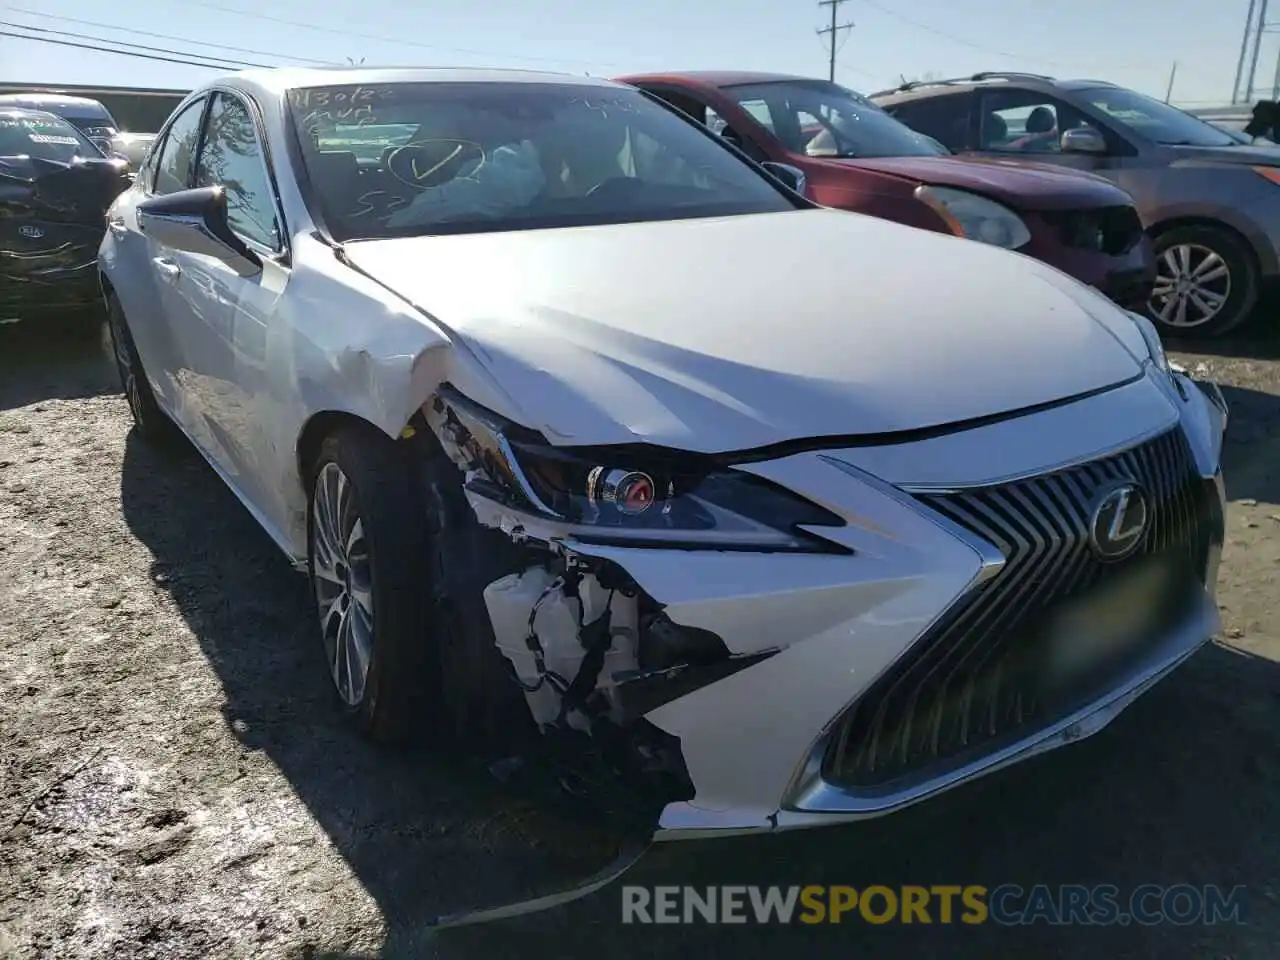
(977,679)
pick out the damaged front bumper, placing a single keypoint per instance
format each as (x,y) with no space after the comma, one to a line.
(913,657)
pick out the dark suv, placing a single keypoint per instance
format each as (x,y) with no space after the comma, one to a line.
(1210,202)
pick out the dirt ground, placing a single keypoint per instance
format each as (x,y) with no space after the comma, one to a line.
(174,780)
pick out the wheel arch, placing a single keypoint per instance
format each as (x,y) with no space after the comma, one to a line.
(1254,240)
(320,425)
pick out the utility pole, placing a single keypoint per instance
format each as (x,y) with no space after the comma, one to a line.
(1257,45)
(1173,72)
(1275,83)
(1244,52)
(834,31)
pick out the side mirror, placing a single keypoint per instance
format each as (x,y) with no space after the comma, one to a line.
(195,221)
(1083,140)
(793,177)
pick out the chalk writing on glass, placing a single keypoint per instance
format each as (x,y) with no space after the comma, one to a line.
(603,104)
(367,205)
(310,98)
(427,163)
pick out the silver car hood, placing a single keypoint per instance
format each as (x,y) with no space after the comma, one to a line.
(732,333)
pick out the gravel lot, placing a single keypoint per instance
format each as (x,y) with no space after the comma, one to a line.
(174,781)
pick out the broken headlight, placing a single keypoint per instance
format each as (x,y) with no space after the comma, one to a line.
(634,496)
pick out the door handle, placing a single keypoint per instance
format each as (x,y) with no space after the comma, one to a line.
(117,227)
(167,269)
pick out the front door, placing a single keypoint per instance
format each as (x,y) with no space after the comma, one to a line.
(1027,125)
(226,336)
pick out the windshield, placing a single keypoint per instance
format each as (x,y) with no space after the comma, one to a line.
(47,137)
(1155,120)
(822,119)
(419,158)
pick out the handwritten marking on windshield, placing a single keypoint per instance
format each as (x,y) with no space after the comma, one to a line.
(413,163)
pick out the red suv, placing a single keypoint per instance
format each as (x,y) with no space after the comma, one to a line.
(851,154)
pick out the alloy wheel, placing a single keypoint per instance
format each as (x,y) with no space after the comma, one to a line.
(343,582)
(1192,285)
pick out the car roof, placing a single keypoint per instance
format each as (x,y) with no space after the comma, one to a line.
(51,100)
(714,78)
(275,81)
(922,89)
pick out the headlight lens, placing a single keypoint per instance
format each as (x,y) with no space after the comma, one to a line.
(1151,335)
(976,217)
(641,496)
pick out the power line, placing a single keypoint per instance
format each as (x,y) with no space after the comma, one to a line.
(834,30)
(122,53)
(158,36)
(220,61)
(1043,61)
(381,38)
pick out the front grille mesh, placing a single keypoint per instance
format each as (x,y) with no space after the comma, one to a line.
(966,684)
(1111,230)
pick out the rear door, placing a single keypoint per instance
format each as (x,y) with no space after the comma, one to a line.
(145,272)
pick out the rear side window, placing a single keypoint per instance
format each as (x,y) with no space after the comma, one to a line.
(173,169)
(946,119)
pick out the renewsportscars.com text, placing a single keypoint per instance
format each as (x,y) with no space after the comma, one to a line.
(1006,905)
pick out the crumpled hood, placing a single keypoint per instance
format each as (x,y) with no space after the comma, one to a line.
(1024,185)
(726,334)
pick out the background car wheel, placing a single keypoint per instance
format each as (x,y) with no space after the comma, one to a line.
(152,423)
(1206,282)
(397,573)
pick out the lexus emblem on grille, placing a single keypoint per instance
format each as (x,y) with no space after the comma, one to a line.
(1119,522)
(30,232)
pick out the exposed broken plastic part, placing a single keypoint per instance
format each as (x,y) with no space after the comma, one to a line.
(539,624)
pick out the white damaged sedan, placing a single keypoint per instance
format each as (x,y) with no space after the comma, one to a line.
(602,446)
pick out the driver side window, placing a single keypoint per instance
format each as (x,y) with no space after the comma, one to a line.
(1023,121)
(233,158)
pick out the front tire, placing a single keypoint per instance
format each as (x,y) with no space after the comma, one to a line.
(366,551)
(390,527)
(1206,282)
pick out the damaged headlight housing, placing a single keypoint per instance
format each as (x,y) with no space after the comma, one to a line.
(976,217)
(632,496)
